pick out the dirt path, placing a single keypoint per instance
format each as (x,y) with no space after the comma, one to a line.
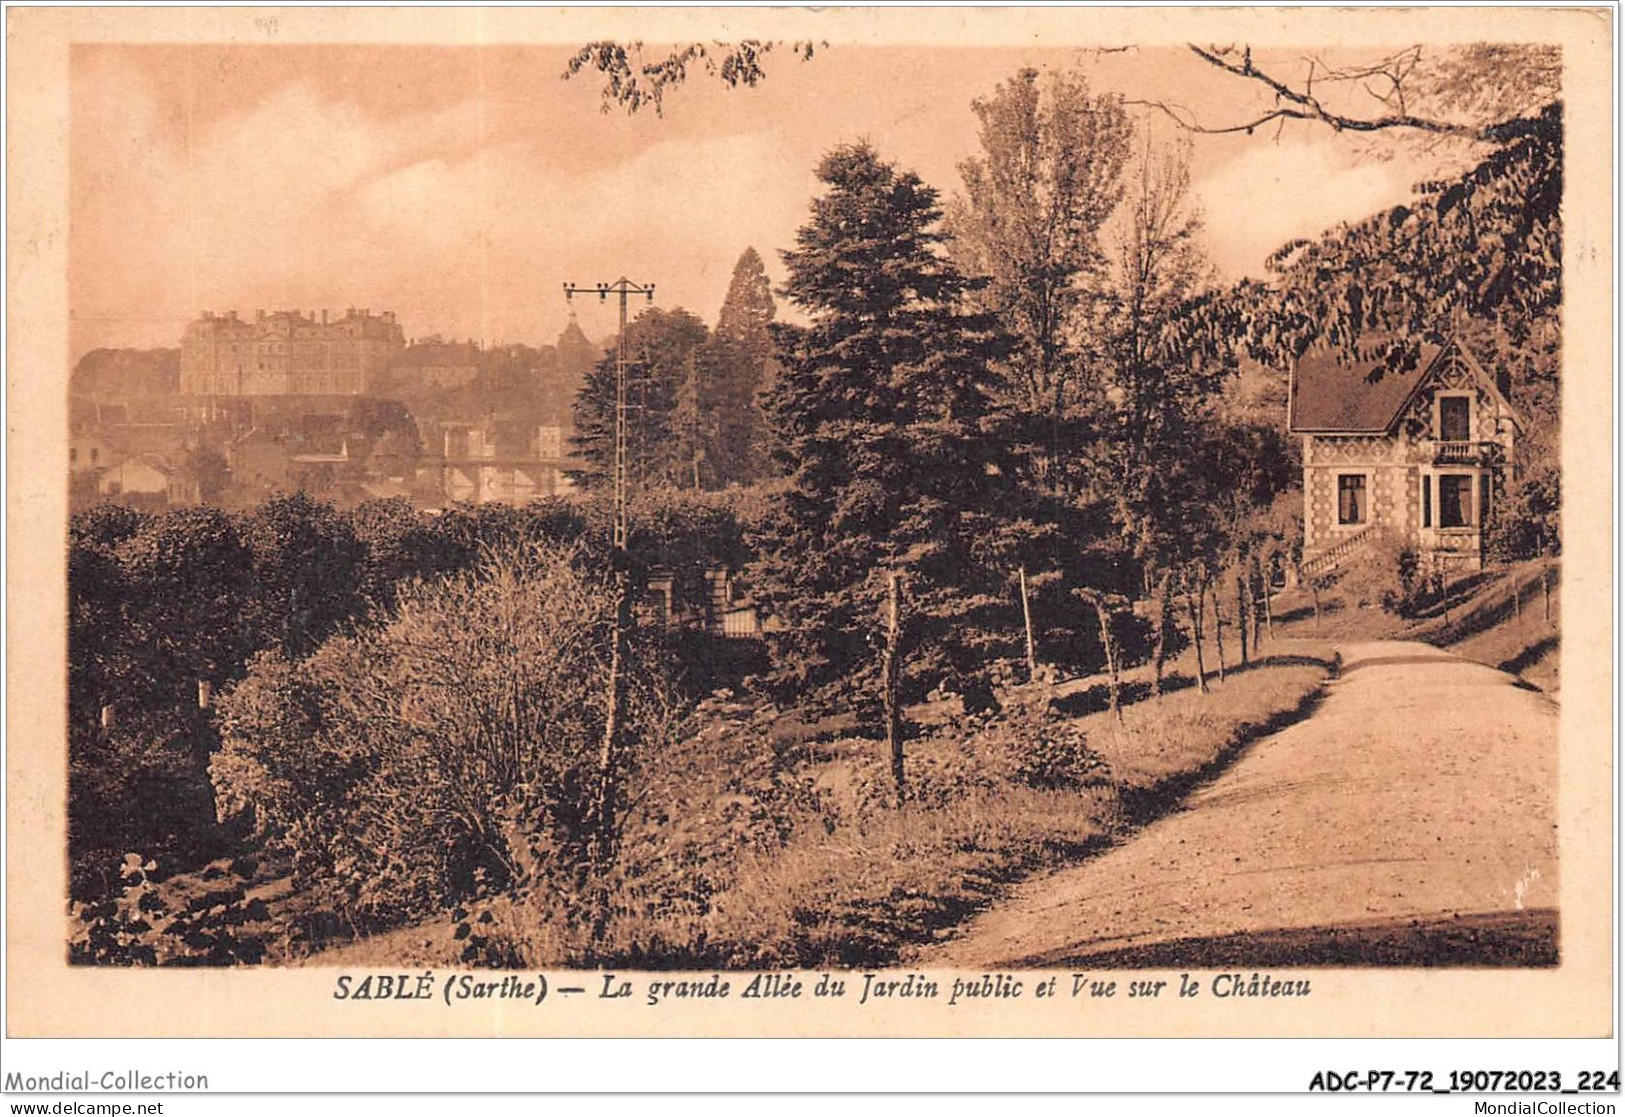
(1410,819)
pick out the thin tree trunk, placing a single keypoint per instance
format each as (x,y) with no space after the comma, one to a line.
(1027,624)
(1159,646)
(1241,614)
(1517,599)
(1546,593)
(1269,609)
(1193,608)
(1253,605)
(1218,630)
(1314,592)
(889,670)
(1109,645)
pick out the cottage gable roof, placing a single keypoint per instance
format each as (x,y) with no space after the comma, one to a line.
(1336,395)
(1331,394)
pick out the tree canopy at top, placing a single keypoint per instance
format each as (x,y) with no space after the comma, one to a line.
(1479,250)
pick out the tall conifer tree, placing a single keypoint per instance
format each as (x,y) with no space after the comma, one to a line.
(878,412)
(742,361)
(662,351)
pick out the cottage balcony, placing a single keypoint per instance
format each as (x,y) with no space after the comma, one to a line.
(1463,453)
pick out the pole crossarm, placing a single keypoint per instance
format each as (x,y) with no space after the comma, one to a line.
(622,287)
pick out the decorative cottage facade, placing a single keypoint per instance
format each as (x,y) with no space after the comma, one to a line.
(1423,452)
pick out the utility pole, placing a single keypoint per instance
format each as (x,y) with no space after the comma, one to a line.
(605,808)
(622,288)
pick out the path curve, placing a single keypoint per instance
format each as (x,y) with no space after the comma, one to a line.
(1410,819)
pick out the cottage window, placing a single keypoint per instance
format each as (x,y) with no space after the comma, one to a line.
(1455,500)
(1351,499)
(1427,501)
(1455,420)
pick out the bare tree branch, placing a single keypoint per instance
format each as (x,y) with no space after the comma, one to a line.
(1303,104)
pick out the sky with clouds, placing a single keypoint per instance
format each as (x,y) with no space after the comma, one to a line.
(461,186)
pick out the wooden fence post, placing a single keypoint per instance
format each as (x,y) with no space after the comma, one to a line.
(1108,644)
(1027,623)
(1110,641)
(889,684)
(1253,610)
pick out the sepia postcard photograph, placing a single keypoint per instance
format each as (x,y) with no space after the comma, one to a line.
(783,522)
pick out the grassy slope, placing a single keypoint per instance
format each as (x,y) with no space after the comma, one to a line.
(859,895)
(862,887)
(857,886)
(1522,637)
(1162,748)
(1479,620)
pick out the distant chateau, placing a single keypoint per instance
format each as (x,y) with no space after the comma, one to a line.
(287,353)
(339,407)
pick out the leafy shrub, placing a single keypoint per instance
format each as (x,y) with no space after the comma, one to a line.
(1384,574)
(448,753)
(118,931)
(1030,746)
(143,784)
(1025,743)
(308,571)
(139,927)
(1527,523)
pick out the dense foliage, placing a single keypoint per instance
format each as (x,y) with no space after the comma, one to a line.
(160,606)
(742,363)
(1032,221)
(693,420)
(450,751)
(878,413)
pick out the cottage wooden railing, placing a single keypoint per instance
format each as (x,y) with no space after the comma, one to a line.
(1331,556)
(1463,453)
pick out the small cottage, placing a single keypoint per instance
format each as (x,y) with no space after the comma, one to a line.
(1423,451)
